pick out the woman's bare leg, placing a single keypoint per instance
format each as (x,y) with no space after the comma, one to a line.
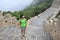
(21,34)
(24,32)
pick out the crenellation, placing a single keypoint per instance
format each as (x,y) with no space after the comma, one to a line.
(7,20)
(14,22)
(53,28)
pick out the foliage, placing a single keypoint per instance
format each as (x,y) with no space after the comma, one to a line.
(32,11)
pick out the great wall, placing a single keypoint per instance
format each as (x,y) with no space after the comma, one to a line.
(42,27)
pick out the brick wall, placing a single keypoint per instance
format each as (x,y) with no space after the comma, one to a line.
(7,20)
(53,28)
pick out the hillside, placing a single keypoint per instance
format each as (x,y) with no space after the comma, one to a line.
(37,7)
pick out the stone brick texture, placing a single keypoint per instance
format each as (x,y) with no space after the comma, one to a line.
(53,28)
(7,20)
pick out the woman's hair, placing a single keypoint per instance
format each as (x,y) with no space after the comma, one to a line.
(22,16)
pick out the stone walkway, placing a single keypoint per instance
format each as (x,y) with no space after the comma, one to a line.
(35,30)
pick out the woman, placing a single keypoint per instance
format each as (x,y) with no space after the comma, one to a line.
(23,23)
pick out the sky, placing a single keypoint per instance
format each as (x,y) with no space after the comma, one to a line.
(14,5)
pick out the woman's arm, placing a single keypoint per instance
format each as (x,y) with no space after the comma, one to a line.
(18,24)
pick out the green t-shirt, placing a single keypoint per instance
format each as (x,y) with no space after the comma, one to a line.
(23,22)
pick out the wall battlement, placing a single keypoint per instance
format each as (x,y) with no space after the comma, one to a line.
(53,28)
(7,20)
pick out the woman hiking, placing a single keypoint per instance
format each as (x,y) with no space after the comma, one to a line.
(23,24)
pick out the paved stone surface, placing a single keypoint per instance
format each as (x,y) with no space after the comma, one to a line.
(35,30)
(38,23)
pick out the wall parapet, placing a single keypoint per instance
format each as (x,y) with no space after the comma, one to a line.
(53,27)
(7,20)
